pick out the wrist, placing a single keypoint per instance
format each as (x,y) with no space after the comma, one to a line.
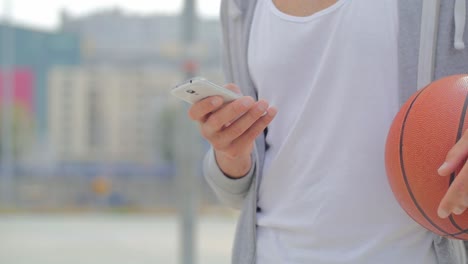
(234,167)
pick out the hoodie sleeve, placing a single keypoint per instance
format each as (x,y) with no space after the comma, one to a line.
(229,191)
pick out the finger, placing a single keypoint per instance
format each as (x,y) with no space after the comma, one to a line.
(456,196)
(235,129)
(236,108)
(233,88)
(455,156)
(261,106)
(459,210)
(256,129)
(200,109)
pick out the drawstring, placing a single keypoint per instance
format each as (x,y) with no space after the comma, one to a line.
(428,39)
(460,21)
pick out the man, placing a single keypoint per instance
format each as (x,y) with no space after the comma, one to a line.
(326,78)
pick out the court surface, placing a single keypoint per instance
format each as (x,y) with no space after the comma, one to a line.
(113,239)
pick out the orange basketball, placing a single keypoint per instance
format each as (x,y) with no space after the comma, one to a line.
(425,129)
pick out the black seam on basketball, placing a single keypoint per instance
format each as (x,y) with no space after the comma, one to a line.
(403,171)
(453,175)
(459,233)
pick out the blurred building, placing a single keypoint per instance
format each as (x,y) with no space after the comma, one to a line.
(23,112)
(97,92)
(107,114)
(127,60)
(113,36)
(36,51)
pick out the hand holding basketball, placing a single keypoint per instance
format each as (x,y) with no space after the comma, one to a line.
(456,199)
(427,132)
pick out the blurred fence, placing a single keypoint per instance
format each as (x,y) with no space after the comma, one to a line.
(139,193)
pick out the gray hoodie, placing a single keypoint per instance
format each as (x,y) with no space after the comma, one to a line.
(426,53)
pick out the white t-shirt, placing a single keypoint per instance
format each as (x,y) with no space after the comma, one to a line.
(324,196)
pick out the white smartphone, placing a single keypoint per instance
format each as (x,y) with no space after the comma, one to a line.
(199,88)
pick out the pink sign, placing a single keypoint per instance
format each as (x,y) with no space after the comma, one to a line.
(23,83)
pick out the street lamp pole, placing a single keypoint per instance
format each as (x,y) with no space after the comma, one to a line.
(188,147)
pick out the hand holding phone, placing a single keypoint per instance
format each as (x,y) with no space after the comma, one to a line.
(229,121)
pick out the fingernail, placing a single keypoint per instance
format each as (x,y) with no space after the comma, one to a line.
(262,108)
(215,101)
(465,201)
(458,211)
(246,102)
(273,111)
(442,213)
(443,167)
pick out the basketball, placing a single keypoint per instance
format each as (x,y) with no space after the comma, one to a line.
(424,130)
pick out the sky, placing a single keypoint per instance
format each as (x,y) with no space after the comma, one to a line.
(46,13)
